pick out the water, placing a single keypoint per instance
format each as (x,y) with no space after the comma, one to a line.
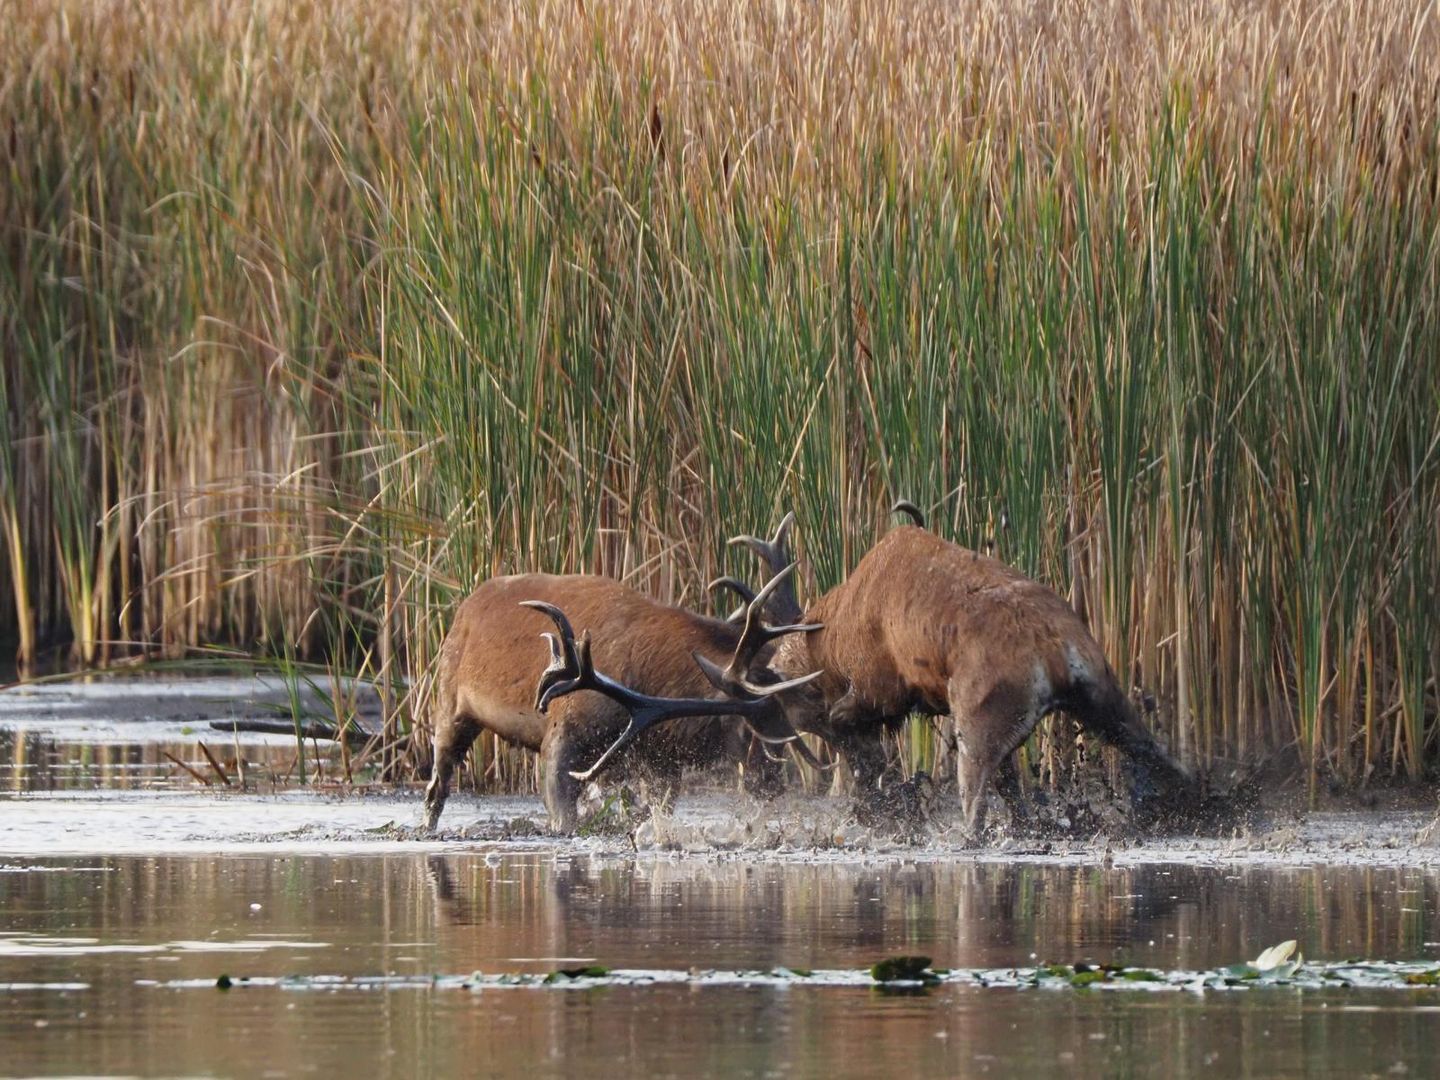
(127,889)
(185,917)
(147,734)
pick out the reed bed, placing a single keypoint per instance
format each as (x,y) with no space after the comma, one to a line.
(315,314)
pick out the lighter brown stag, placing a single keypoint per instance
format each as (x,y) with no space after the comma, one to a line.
(923,625)
(494,659)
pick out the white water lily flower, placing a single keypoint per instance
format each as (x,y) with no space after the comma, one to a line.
(1275,959)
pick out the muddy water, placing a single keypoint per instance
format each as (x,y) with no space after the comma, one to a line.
(87,944)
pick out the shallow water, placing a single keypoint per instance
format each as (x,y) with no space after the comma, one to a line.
(92,936)
(127,890)
(134,734)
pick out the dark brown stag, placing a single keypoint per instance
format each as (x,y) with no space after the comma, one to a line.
(493,660)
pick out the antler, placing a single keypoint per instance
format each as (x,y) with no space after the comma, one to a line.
(564,660)
(734,679)
(735,585)
(776,556)
(910,510)
(571,668)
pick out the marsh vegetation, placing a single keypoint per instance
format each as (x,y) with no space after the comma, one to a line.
(311,316)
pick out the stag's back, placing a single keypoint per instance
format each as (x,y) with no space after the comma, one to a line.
(493,657)
(919,611)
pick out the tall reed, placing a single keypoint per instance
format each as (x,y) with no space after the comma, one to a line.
(313,316)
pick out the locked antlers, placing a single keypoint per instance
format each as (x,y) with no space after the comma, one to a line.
(572,668)
(734,679)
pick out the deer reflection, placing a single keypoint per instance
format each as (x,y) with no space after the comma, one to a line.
(659,911)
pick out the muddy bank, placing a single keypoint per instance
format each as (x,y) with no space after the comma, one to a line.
(717,827)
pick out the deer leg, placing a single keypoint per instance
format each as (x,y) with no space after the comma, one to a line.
(1007,783)
(973,768)
(979,762)
(866,758)
(875,804)
(989,753)
(1159,786)
(945,763)
(452,743)
(559,756)
(990,731)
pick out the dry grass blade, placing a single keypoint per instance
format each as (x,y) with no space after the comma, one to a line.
(196,773)
(215,764)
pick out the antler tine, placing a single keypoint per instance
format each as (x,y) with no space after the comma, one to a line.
(910,510)
(734,585)
(564,663)
(775,554)
(734,678)
(756,634)
(567,632)
(774,550)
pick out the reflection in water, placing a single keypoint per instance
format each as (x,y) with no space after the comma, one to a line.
(40,762)
(116,733)
(455,913)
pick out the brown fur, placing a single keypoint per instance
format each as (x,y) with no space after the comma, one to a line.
(925,625)
(493,656)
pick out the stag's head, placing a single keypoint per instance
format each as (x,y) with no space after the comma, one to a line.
(748,688)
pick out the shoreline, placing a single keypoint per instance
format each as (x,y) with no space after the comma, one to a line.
(796,829)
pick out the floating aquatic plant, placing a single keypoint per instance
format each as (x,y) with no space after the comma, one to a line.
(591,971)
(908,969)
(1360,975)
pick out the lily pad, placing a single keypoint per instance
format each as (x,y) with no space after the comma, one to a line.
(903,969)
(1140,975)
(590,971)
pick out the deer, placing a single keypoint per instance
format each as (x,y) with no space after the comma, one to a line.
(925,625)
(491,676)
